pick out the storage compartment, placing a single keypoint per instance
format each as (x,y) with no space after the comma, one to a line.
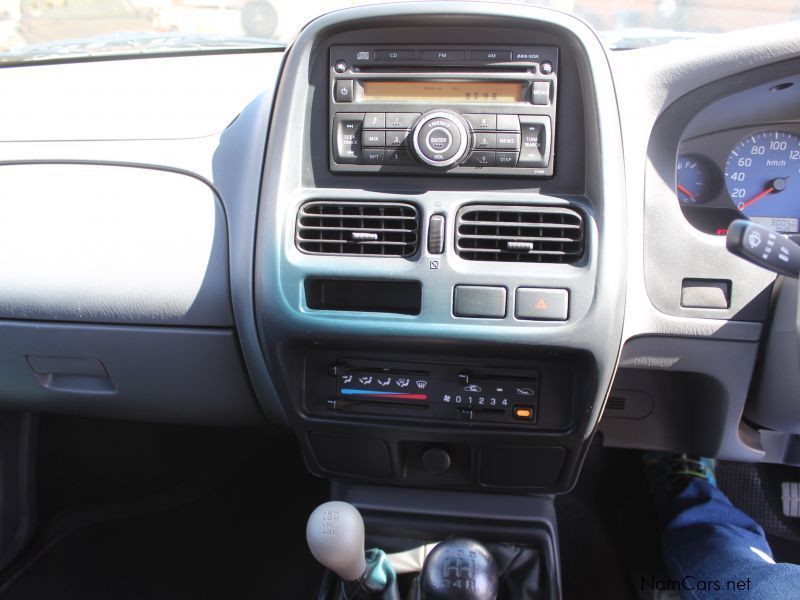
(345,455)
(112,244)
(170,374)
(400,297)
(521,466)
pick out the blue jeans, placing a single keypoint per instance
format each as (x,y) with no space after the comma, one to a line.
(714,550)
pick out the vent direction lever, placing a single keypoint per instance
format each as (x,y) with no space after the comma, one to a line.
(363,236)
(520,246)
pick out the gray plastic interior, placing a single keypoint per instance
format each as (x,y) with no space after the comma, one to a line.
(112,244)
(683,396)
(586,179)
(774,404)
(172,374)
(111,360)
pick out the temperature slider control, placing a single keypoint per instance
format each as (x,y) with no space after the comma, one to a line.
(459,392)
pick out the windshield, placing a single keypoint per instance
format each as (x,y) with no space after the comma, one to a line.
(42,29)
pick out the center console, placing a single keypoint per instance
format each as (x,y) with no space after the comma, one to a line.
(439,273)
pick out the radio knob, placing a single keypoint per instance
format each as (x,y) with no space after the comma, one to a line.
(441,138)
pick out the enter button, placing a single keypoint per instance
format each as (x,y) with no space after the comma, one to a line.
(541,304)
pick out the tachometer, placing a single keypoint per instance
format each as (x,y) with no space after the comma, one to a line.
(762,176)
(697,179)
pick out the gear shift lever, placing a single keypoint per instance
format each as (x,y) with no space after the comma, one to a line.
(459,569)
(335,535)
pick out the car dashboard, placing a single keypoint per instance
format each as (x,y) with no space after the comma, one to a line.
(443,243)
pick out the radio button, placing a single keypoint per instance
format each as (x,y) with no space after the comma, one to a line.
(398,157)
(394,55)
(397,139)
(373,138)
(507,141)
(376,121)
(491,55)
(485,141)
(481,122)
(437,142)
(343,90)
(540,93)
(373,156)
(441,139)
(507,123)
(535,147)
(506,159)
(481,159)
(400,120)
(443,54)
(347,137)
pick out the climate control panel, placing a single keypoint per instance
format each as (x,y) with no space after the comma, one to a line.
(454,392)
(470,394)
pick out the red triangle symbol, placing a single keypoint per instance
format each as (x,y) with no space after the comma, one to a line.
(541,304)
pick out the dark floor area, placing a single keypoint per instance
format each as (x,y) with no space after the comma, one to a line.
(608,525)
(594,535)
(160,512)
(135,511)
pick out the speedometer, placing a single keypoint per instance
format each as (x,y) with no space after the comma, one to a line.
(762,176)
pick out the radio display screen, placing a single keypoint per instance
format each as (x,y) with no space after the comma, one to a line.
(442,91)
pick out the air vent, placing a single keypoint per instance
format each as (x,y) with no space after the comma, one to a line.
(615,404)
(539,234)
(358,228)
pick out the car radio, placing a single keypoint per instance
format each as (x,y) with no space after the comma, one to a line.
(450,109)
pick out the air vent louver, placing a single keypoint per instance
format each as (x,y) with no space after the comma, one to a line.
(358,228)
(540,234)
(615,404)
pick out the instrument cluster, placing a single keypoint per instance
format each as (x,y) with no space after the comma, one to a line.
(751,172)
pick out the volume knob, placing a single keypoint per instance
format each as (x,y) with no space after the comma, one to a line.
(441,138)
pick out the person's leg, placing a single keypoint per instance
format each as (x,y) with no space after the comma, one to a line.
(711,548)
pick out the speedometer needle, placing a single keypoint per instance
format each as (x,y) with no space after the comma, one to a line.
(776,185)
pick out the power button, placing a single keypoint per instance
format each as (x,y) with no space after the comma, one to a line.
(343,92)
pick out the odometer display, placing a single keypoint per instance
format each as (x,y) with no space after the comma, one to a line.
(762,175)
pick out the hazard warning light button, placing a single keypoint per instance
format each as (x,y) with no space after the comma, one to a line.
(541,304)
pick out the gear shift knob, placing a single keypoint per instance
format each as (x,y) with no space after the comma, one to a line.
(459,569)
(335,536)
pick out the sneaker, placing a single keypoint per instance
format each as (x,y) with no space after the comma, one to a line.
(668,473)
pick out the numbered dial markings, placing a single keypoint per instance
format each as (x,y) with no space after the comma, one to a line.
(697,179)
(762,175)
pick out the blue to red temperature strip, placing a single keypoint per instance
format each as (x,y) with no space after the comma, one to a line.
(376,394)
